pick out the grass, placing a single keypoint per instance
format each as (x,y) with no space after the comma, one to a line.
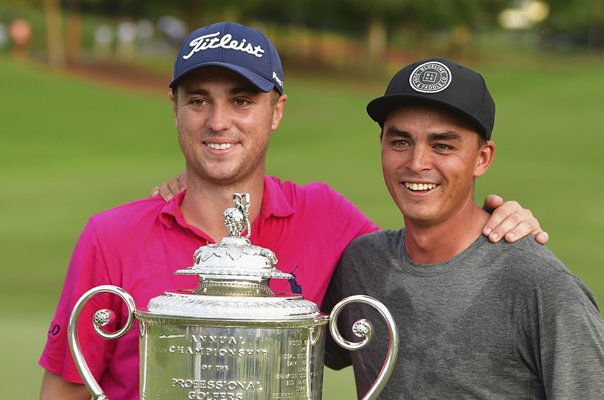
(71,148)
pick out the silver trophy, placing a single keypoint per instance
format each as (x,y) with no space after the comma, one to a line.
(231,337)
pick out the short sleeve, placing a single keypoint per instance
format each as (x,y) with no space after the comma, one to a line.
(86,270)
(562,337)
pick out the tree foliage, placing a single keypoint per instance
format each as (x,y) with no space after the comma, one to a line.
(355,15)
(578,21)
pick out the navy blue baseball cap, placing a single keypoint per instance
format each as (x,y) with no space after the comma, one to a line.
(442,83)
(233,46)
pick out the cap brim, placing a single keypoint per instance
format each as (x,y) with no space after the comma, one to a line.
(379,108)
(262,83)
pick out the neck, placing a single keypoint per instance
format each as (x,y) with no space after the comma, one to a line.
(429,244)
(205,202)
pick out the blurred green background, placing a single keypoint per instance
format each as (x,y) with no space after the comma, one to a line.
(76,139)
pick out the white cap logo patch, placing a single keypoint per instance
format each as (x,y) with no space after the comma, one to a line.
(430,77)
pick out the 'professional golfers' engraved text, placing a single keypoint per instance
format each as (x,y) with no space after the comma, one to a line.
(212,41)
(216,389)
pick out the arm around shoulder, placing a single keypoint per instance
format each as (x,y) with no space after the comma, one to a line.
(54,387)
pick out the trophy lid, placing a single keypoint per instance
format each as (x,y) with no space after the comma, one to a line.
(234,279)
(234,259)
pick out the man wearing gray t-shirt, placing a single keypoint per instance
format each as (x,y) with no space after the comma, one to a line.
(477,320)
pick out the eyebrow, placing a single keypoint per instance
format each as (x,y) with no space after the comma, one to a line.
(393,132)
(444,136)
(233,91)
(244,89)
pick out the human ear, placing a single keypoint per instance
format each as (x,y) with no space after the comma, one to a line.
(484,158)
(278,111)
(172,98)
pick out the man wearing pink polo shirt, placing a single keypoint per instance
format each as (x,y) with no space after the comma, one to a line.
(227,99)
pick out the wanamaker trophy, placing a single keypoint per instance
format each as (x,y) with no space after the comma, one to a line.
(231,338)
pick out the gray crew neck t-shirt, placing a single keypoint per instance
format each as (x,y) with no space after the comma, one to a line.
(498,321)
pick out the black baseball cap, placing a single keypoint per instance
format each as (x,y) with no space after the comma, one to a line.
(442,83)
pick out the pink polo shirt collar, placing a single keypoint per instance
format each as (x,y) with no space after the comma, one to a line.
(274,203)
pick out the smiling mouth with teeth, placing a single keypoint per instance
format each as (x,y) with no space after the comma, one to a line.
(419,186)
(219,146)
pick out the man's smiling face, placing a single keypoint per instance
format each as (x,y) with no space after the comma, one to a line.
(224,124)
(430,158)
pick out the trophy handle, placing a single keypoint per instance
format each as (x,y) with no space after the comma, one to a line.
(100,319)
(363,329)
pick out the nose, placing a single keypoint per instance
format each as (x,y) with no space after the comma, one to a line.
(219,118)
(420,158)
